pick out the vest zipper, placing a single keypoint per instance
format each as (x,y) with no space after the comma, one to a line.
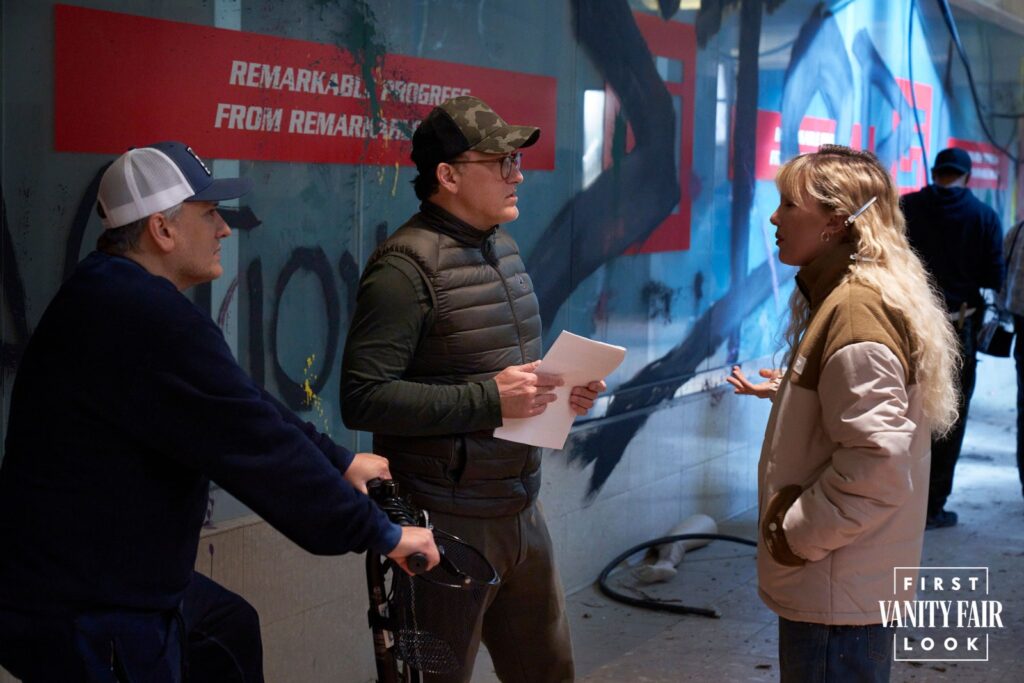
(515,318)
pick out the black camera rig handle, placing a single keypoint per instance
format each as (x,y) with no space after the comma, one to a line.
(387,494)
(417,563)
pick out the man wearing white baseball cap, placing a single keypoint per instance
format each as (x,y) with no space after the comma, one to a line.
(127,403)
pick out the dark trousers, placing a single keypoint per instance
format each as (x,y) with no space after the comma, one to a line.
(224,643)
(821,653)
(1018,356)
(221,630)
(946,451)
(523,621)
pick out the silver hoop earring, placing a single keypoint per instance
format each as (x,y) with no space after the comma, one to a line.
(826,236)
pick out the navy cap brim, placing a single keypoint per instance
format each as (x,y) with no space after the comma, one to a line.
(220,190)
(950,167)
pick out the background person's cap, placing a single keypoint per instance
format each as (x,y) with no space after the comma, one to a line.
(952,159)
(147,180)
(466,123)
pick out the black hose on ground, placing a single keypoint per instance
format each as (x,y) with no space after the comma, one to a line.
(602,579)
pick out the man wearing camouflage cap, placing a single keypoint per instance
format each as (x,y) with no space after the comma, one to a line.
(443,345)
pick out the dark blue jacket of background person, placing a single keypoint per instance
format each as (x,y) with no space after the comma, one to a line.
(126,404)
(959,237)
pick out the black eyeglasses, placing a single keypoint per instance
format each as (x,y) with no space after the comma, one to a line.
(509,162)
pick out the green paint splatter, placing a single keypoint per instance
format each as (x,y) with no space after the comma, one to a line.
(361,38)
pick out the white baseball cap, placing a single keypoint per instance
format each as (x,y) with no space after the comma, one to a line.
(146,180)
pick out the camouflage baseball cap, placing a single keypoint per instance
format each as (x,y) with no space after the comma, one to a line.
(466,123)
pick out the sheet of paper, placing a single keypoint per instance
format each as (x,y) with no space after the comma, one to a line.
(578,361)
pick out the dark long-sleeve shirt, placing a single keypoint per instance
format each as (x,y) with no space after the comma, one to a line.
(393,310)
(959,239)
(127,402)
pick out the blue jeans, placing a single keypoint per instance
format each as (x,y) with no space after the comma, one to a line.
(819,653)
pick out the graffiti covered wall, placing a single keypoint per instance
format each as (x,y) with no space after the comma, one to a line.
(646,206)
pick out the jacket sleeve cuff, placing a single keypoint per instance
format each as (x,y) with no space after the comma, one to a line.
(390,535)
(493,402)
(341,457)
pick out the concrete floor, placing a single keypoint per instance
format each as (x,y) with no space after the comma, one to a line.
(614,642)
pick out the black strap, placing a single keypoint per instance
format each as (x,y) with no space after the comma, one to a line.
(379,621)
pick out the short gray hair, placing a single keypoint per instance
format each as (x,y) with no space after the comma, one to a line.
(124,239)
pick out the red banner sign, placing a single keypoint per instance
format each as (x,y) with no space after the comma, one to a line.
(814,132)
(990,168)
(123,80)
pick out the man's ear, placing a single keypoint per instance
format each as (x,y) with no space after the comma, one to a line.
(161,232)
(447,177)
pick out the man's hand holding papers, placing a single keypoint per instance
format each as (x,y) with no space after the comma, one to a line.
(581,364)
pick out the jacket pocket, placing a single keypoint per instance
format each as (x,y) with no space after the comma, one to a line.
(486,459)
(128,647)
(457,460)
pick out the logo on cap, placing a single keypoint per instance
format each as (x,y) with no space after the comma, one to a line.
(196,157)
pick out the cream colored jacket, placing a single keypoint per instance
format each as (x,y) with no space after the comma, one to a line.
(846,427)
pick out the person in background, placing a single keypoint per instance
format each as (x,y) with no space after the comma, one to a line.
(1011,300)
(958,237)
(844,466)
(444,345)
(127,403)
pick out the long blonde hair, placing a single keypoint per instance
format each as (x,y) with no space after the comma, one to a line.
(841,180)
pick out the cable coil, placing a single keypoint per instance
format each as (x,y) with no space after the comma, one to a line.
(602,579)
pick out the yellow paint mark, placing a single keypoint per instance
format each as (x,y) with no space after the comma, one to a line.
(311,399)
(394,184)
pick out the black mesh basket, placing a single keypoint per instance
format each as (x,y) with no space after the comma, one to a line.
(434,613)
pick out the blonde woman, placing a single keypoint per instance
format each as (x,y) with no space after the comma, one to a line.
(843,476)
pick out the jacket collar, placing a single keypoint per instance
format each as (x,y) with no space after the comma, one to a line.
(818,278)
(456,228)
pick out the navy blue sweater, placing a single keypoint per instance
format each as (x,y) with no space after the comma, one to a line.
(126,404)
(959,239)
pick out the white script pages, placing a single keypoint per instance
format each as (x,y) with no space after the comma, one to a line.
(578,361)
